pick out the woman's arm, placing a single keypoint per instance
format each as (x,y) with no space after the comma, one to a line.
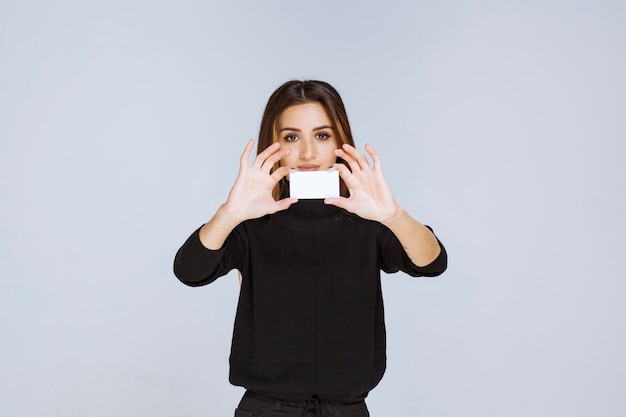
(371,198)
(418,241)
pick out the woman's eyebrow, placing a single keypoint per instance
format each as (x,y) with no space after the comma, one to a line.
(293,129)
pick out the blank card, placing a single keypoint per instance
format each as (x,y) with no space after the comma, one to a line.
(314,184)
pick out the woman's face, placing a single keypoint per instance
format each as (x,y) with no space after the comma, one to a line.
(307,130)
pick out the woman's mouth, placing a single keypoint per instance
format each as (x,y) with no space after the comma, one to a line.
(308,167)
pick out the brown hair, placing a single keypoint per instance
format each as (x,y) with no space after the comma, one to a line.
(300,92)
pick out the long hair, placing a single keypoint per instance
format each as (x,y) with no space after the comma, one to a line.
(300,92)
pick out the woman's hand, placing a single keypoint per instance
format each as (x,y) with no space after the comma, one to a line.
(251,195)
(370,196)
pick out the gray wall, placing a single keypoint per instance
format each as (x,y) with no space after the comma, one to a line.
(501,124)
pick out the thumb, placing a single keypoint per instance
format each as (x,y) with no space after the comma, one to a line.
(340,202)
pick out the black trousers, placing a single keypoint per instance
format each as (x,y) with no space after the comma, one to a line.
(255,405)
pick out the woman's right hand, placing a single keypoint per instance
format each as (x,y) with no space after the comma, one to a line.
(251,195)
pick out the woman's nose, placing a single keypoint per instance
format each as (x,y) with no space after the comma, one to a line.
(307,149)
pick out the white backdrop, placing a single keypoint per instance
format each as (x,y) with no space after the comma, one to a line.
(500,123)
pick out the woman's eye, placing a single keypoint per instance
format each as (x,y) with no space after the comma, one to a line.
(291,138)
(323,136)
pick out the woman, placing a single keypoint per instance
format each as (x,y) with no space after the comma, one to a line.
(309,333)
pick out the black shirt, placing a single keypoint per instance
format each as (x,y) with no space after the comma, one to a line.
(310,318)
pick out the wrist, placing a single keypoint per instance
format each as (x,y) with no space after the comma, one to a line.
(230,214)
(393,215)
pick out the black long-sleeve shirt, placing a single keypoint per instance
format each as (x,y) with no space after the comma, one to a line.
(310,318)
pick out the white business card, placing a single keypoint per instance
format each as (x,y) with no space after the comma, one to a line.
(314,184)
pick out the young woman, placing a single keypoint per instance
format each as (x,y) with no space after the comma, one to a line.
(309,333)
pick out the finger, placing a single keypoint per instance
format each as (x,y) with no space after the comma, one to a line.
(341,202)
(344,172)
(360,158)
(352,163)
(374,155)
(283,204)
(245,156)
(261,157)
(280,173)
(274,158)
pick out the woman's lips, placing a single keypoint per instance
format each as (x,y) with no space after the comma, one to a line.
(308,167)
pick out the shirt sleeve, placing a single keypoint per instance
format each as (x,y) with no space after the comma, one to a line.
(393,257)
(195,265)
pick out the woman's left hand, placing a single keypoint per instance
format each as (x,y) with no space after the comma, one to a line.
(370,196)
